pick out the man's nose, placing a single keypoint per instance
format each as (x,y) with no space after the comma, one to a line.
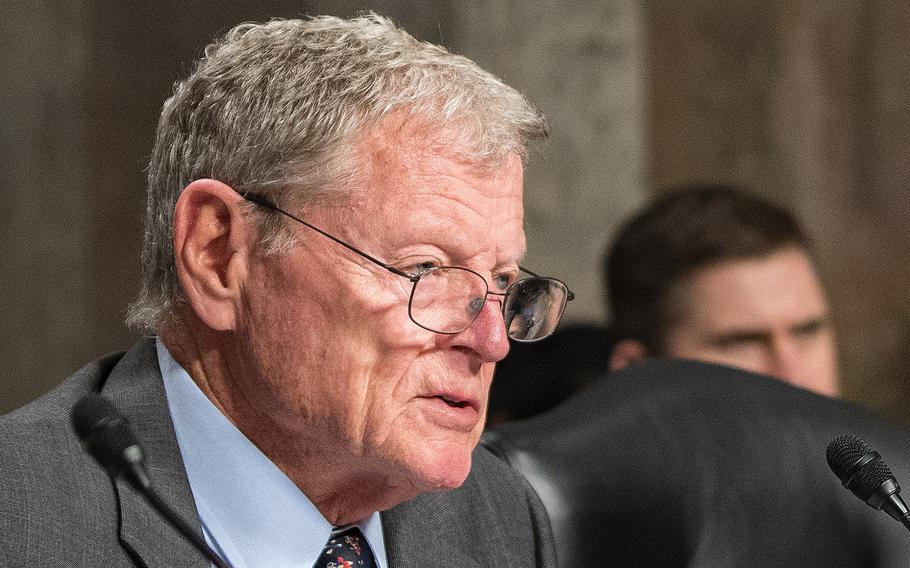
(487,335)
(786,360)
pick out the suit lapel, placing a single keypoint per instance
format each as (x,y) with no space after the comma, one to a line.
(467,527)
(136,388)
(418,534)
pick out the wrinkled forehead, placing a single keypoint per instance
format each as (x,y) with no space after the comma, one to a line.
(418,188)
(411,132)
(404,142)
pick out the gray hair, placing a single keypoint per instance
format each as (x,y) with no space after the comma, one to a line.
(276,108)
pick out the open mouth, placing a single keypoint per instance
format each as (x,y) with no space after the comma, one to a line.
(452,411)
(452,402)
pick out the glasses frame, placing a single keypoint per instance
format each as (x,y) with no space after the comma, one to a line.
(414,278)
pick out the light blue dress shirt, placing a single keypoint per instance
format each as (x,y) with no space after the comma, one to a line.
(252,514)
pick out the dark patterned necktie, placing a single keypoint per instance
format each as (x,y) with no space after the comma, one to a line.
(346,549)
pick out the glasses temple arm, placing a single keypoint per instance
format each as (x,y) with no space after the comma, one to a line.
(569,294)
(261,201)
(523,269)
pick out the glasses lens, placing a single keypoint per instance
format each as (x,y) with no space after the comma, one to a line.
(447,299)
(533,308)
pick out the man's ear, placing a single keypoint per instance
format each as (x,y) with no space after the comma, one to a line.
(210,249)
(626,352)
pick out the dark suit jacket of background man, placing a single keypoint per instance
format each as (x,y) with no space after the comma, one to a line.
(691,465)
(58,508)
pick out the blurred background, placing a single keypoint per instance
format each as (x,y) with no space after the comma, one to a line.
(805,102)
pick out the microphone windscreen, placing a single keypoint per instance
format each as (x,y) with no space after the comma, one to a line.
(104,432)
(844,453)
(91,412)
(107,436)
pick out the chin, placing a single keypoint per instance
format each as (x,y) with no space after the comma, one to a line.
(441,467)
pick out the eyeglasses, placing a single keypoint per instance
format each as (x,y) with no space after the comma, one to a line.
(447,299)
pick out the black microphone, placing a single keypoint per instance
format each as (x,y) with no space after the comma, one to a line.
(862,471)
(106,436)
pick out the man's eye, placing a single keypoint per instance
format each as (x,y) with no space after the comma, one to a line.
(502,281)
(740,342)
(423,267)
(809,329)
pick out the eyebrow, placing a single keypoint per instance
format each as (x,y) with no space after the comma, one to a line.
(743,335)
(811,325)
(736,336)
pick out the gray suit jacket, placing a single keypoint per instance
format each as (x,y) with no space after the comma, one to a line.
(58,508)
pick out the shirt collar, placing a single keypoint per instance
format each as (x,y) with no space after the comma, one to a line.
(251,512)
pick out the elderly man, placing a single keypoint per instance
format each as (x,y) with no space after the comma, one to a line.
(716,274)
(331,268)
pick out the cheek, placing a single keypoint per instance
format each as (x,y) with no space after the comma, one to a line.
(349,362)
(372,368)
(296,340)
(822,352)
(392,377)
(398,431)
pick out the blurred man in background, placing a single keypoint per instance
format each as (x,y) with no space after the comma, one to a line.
(716,274)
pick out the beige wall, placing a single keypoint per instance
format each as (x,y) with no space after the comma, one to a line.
(805,101)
